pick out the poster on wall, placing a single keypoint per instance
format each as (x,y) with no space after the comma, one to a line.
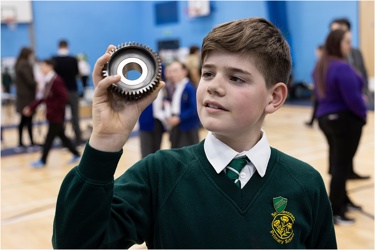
(17,11)
(198,8)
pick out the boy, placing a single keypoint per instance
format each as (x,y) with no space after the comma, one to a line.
(55,96)
(183,198)
(183,120)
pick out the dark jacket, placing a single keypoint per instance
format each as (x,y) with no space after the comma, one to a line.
(55,97)
(67,68)
(355,58)
(25,85)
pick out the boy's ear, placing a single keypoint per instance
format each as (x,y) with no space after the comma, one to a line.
(277,96)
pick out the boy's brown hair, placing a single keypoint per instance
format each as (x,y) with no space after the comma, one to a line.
(257,38)
(49,62)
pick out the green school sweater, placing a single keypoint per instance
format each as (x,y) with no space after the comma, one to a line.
(175,199)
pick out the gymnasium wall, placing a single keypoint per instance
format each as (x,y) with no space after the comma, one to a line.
(90,26)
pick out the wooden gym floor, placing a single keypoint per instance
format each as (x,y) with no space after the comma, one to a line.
(28,195)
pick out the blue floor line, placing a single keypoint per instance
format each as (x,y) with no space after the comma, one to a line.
(12,151)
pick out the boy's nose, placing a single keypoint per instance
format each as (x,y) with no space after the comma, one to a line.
(216,86)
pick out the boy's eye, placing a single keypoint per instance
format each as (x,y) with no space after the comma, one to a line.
(207,74)
(236,79)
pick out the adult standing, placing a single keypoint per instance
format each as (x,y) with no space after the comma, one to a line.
(66,66)
(341,114)
(354,58)
(26,87)
(6,80)
(318,54)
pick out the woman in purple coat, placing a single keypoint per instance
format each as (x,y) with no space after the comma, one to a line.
(341,114)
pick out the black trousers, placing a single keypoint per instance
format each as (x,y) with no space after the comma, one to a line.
(56,129)
(73,102)
(26,121)
(84,80)
(151,140)
(343,131)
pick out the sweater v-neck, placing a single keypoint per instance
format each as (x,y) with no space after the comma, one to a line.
(243,198)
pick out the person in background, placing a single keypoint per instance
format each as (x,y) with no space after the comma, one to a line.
(193,64)
(198,196)
(318,54)
(183,119)
(354,58)
(66,66)
(26,88)
(84,71)
(152,125)
(6,80)
(39,77)
(55,96)
(341,114)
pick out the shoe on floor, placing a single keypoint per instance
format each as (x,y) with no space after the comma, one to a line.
(352,207)
(343,220)
(309,124)
(38,164)
(74,159)
(356,176)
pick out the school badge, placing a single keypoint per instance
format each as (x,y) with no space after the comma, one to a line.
(282,223)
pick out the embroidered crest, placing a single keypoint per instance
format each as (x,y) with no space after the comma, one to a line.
(279,203)
(283,221)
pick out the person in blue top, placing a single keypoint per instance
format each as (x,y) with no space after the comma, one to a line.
(183,197)
(152,125)
(341,114)
(183,120)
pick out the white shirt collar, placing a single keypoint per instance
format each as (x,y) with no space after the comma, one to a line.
(49,76)
(219,154)
(176,99)
(182,82)
(63,52)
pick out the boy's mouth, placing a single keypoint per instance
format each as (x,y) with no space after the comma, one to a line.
(214,105)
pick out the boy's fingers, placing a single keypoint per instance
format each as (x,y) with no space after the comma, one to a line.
(97,74)
(154,93)
(159,87)
(102,86)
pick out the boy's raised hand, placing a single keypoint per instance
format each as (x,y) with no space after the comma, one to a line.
(113,116)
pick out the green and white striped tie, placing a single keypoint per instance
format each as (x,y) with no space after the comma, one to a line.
(234,168)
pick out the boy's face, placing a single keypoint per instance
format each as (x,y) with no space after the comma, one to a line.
(45,68)
(175,72)
(232,97)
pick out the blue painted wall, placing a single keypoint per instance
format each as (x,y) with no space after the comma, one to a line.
(90,26)
(309,23)
(192,31)
(13,40)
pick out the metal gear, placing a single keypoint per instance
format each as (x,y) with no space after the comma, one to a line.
(135,57)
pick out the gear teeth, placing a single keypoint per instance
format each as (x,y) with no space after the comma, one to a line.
(135,94)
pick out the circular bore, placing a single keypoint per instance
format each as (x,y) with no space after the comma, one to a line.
(133,57)
(128,65)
